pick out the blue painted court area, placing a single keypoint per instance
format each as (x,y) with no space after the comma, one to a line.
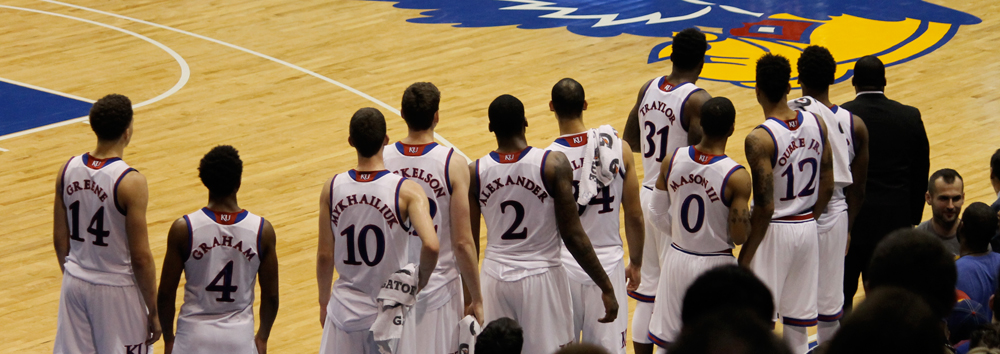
(23,108)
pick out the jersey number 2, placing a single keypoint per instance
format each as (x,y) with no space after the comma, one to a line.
(226,288)
(95,228)
(511,234)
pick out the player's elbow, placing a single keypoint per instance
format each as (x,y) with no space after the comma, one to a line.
(141,260)
(324,259)
(431,249)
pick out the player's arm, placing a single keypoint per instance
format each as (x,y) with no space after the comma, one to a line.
(855,193)
(268,280)
(133,196)
(414,201)
(692,115)
(559,179)
(759,149)
(324,253)
(635,234)
(170,277)
(60,230)
(632,128)
(659,205)
(738,190)
(466,256)
(825,175)
(475,214)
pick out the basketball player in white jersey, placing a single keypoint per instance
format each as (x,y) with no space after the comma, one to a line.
(706,194)
(792,168)
(432,325)
(525,196)
(221,249)
(367,213)
(109,278)
(664,118)
(600,220)
(848,139)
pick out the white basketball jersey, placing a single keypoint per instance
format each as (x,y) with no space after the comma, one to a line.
(428,165)
(371,243)
(798,150)
(518,209)
(98,246)
(840,126)
(698,206)
(220,269)
(660,116)
(600,216)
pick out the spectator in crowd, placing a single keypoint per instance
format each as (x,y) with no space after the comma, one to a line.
(977,267)
(727,288)
(898,163)
(967,317)
(502,336)
(995,179)
(891,320)
(733,332)
(945,194)
(918,262)
(582,348)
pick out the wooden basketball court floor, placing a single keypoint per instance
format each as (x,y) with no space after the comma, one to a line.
(279,80)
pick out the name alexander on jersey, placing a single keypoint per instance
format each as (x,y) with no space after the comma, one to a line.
(526,183)
(87,185)
(227,241)
(429,178)
(375,202)
(699,180)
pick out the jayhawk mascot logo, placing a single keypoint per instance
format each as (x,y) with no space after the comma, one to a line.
(738,31)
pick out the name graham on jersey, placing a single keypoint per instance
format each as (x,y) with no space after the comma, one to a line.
(87,185)
(352,200)
(713,196)
(420,174)
(795,145)
(531,186)
(227,241)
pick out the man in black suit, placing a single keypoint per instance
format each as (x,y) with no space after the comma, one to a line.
(899,159)
(995,179)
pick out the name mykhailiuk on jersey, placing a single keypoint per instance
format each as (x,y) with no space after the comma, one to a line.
(375,202)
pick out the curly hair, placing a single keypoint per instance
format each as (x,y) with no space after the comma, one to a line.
(773,73)
(110,116)
(689,46)
(221,171)
(816,67)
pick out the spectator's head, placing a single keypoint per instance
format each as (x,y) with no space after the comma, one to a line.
(994,305)
(979,225)
(945,194)
(111,118)
(717,117)
(688,50)
(568,99)
(869,74)
(917,262)
(368,132)
(420,106)
(987,336)
(507,117)
(502,336)
(773,73)
(995,171)
(220,171)
(891,320)
(816,68)
(582,348)
(967,316)
(727,288)
(737,332)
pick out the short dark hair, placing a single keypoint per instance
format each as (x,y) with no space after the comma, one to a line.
(420,101)
(221,171)
(739,332)
(869,71)
(773,73)
(688,49)
(110,116)
(717,116)
(890,320)
(568,98)
(368,131)
(979,225)
(949,176)
(502,336)
(582,348)
(986,336)
(506,116)
(817,68)
(727,288)
(995,165)
(916,261)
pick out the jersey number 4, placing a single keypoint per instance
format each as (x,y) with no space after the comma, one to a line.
(226,288)
(95,228)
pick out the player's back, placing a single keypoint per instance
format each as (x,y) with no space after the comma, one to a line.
(696,185)
(660,116)
(840,124)
(98,248)
(519,212)
(600,216)
(798,150)
(428,165)
(371,243)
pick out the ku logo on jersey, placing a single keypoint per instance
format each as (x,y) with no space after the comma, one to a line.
(738,31)
(413,149)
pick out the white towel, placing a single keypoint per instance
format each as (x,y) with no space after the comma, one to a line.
(468,329)
(604,151)
(398,294)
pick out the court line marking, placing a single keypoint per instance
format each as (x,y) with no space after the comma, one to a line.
(185,74)
(263,56)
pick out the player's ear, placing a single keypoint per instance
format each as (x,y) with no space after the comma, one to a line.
(584,105)
(385,140)
(927,197)
(350,141)
(491,127)
(788,89)
(552,107)
(732,129)
(436,119)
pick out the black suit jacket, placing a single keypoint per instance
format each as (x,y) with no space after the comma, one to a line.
(899,160)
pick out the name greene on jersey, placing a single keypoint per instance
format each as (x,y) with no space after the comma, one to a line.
(698,180)
(375,202)
(227,241)
(429,178)
(526,183)
(87,185)
(795,145)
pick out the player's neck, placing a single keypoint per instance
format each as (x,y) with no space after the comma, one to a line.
(571,126)
(224,205)
(821,96)
(373,163)
(512,144)
(964,250)
(419,137)
(678,77)
(778,110)
(108,149)
(712,146)
(860,89)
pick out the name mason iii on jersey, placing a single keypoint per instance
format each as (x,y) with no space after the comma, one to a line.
(698,180)
(375,202)
(429,178)
(526,183)
(227,241)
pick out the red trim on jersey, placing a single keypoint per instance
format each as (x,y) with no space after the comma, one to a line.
(95,163)
(414,150)
(575,140)
(510,157)
(703,158)
(367,176)
(226,218)
(799,217)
